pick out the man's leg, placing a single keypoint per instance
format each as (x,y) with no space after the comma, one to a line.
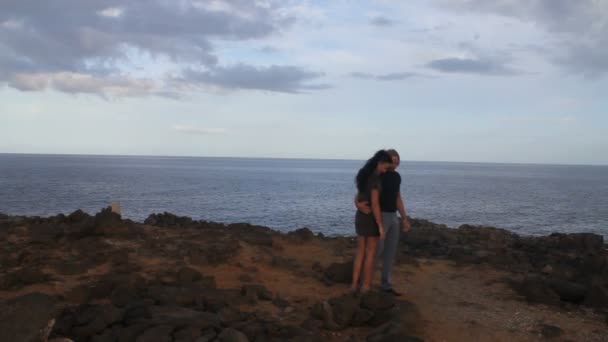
(391,241)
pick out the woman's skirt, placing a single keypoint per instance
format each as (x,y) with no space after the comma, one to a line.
(365,224)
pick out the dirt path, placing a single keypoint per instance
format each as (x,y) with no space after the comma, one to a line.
(471,303)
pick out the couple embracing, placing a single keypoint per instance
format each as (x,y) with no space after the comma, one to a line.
(378,227)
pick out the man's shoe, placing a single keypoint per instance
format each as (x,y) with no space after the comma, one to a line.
(392,292)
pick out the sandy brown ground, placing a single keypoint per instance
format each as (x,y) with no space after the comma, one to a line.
(457,303)
(472,303)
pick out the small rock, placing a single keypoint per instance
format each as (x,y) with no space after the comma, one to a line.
(376,301)
(122,296)
(232,335)
(160,333)
(257,291)
(245,278)
(344,309)
(536,290)
(187,275)
(340,272)
(361,317)
(324,312)
(279,302)
(550,331)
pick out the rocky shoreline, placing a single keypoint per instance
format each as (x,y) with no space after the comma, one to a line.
(101,278)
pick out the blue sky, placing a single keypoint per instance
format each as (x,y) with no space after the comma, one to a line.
(446,80)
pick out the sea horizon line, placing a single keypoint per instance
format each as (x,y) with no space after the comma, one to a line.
(289,158)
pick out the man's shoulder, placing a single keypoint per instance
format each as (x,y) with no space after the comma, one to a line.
(391,175)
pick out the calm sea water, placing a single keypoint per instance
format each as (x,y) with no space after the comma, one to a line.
(289,194)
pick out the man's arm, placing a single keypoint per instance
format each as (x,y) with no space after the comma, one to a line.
(363,206)
(401,208)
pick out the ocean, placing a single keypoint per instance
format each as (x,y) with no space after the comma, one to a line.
(287,194)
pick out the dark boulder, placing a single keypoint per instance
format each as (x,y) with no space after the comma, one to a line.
(180,316)
(362,317)
(45,233)
(72,267)
(135,313)
(212,253)
(123,296)
(106,217)
(550,331)
(377,301)
(568,291)
(27,318)
(390,332)
(253,235)
(188,275)
(93,319)
(288,263)
(77,217)
(232,335)
(301,235)
(159,333)
(131,332)
(582,242)
(186,334)
(168,220)
(22,277)
(597,296)
(255,292)
(344,308)
(536,290)
(340,272)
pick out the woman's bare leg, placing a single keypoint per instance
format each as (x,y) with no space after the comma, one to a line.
(358,262)
(370,258)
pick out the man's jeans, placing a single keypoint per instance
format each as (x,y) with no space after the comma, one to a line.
(387,248)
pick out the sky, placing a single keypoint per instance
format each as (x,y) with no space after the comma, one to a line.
(515,81)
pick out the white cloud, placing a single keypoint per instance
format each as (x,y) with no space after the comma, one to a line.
(12,24)
(71,82)
(112,12)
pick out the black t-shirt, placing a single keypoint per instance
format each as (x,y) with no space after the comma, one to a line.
(391,185)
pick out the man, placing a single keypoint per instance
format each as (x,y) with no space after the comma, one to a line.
(391,201)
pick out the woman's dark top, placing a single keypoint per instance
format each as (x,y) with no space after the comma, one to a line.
(365,224)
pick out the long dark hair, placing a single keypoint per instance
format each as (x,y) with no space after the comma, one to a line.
(370,167)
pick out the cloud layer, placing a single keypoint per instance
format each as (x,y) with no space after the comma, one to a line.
(580,28)
(83,46)
(471,66)
(117,48)
(393,76)
(287,79)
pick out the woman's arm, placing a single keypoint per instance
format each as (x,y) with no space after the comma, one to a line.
(376,210)
(363,206)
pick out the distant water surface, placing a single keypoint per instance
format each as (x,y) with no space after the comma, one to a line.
(289,193)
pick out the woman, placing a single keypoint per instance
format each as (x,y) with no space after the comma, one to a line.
(369,226)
